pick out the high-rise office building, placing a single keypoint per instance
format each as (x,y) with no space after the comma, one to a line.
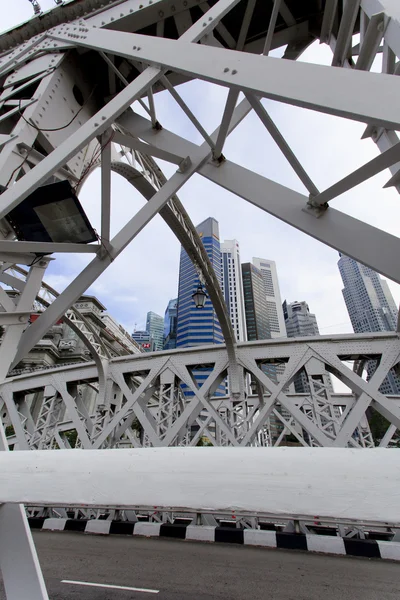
(170,320)
(155,327)
(368,299)
(272,295)
(144,339)
(232,287)
(198,326)
(370,306)
(256,312)
(299,321)
(258,328)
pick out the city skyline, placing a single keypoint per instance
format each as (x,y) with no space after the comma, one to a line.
(233,286)
(251,292)
(151,283)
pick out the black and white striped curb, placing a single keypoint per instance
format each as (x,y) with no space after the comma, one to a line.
(248,537)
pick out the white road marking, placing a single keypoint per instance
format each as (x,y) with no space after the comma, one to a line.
(113,587)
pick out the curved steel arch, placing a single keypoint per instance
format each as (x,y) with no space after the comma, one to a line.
(176,217)
(181,225)
(88,335)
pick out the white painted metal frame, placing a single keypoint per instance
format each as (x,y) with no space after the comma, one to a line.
(196,479)
(319,417)
(157,388)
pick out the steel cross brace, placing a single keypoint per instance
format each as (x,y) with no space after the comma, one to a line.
(332,228)
(363,96)
(104,120)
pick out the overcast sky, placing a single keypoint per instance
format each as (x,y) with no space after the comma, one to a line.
(145,276)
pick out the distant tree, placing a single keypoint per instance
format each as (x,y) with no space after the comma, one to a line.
(72,436)
(378,424)
(137,426)
(204,441)
(10,431)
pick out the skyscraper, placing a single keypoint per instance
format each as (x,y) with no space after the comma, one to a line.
(368,299)
(155,326)
(299,321)
(144,339)
(198,326)
(170,319)
(272,295)
(232,287)
(255,304)
(258,328)
(370,306)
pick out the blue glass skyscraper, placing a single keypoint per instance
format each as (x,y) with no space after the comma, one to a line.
(170,319)
(198,326)
(195,326)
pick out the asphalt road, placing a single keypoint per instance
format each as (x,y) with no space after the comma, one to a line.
(189,570)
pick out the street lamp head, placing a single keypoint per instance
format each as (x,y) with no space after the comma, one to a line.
(199,297)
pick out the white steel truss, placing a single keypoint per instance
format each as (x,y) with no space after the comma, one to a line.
(69,81)
(154,399)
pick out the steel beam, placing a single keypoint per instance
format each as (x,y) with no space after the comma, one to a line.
(105,139)
(392,13)
(371,42)
(98,265)
(282,144)
(19,563)
(93,127)
(332,228)
(148,149)
(345,33)
(357,95)
(384,161)
(371,246)
(271,27)
(14,247)
(330,13)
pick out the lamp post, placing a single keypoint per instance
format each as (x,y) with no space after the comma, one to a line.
(199,297)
